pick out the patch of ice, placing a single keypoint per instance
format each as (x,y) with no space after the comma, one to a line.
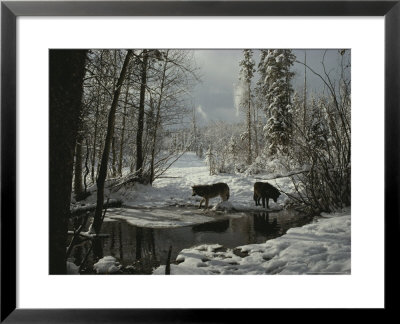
(159,218)
(187,212)
(106,219)
(224,205)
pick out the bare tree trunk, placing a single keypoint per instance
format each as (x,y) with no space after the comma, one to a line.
(157,121)
(139,136)
(78,168)
(93,176)
(97,221)
(195,144)
(121,144)
(113,167)
(67,69)
(255,123)
(99,156)
(114,158)
(86,166)
(305,92)
(249,156)
(94,141)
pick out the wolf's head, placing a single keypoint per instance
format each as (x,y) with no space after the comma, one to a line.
(275,195)
(194,191)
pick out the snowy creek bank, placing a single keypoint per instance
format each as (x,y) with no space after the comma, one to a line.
(140,238)
(174,188)
(322,247)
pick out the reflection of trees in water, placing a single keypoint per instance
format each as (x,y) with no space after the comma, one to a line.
(121,246)
(218,227)
(129,244)
(146,248)
(98,249)
(242,227)
(139,240)
(79,253)
(87,252)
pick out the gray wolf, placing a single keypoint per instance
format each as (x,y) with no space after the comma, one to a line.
(265,191)
(211,191)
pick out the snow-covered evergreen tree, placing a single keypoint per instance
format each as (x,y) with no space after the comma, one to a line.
(276,75)
(245,75)
(261,86)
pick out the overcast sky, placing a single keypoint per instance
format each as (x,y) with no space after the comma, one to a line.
(214,97)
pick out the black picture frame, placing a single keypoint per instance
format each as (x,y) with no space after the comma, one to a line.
(10,10)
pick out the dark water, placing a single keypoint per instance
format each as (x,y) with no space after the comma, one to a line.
(147,248)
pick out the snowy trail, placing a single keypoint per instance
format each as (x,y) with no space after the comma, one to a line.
(175,187)
(150,206)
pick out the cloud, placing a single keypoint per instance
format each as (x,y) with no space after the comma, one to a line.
(221,87)
(199,109)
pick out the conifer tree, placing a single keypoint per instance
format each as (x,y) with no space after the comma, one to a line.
(275,70)
(246,74)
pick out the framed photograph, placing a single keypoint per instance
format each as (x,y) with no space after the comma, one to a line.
(163,159)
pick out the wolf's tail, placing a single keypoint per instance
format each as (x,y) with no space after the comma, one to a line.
(227,195)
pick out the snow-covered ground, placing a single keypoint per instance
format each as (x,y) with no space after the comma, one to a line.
(145,204)
(323,247)
(175,187)
(107,265)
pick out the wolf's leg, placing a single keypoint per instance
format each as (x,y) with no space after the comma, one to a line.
(267,203)
(201,202)
(206,203)
(263,202)
(255,198)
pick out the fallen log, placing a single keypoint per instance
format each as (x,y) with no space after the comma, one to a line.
(92,207)
(89,236)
